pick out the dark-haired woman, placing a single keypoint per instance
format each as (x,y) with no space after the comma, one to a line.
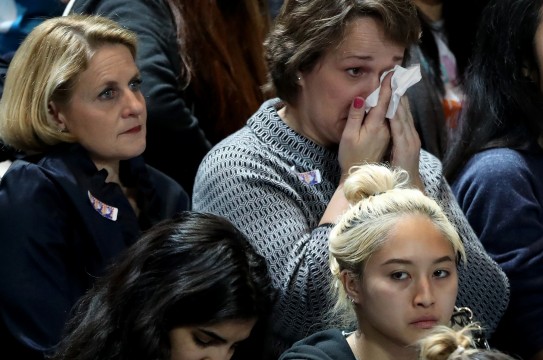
(191,288)
(496,164)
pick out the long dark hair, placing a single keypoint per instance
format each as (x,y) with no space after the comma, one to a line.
(221,44)
(194,269)
(503,103)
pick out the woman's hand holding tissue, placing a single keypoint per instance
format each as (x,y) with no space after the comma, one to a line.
(370,136)
(366,136)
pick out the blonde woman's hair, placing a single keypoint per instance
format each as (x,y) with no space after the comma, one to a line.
(445,343)
(379,196)
(45,68)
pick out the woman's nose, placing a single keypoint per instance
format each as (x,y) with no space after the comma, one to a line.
(424,295)
(134,104)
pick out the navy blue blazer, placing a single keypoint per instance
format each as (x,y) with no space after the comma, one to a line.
(61,224)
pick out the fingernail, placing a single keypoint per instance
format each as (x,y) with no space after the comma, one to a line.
(358,102)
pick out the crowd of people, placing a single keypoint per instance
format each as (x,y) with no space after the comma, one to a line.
(271,180)
(280,178)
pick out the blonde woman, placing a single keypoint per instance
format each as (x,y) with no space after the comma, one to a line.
(203,66)
(72,102)
(393,257)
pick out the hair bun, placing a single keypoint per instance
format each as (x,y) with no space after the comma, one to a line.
(444,342)
(369,180)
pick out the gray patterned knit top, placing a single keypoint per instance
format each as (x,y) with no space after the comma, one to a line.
(251,178)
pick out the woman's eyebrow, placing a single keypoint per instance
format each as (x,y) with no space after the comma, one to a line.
(446,258)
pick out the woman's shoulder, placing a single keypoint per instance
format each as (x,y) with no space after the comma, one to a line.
(33,169)
(99,6)
(16,169)
(26,183)
(150,19)
(322,345)
(429,163)
(495,172)
(499,162)
(236,149)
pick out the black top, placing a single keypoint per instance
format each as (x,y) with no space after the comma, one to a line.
(61,224)
(324,345)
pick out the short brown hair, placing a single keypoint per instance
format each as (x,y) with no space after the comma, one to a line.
(305,29)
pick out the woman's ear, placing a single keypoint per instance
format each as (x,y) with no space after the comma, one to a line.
(57,116)
(299,78)
(351,285)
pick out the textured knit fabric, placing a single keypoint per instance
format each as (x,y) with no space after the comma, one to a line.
(172,131)
(55,241)
(251,178)
(501,193)
(323,345)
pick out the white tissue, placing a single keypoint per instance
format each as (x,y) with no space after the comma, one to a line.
(401,80)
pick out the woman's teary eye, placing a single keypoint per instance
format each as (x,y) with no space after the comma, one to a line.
(106,94)
(399,275)
(354,71)
(135,84)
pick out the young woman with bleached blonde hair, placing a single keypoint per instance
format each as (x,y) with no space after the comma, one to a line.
(393,258)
